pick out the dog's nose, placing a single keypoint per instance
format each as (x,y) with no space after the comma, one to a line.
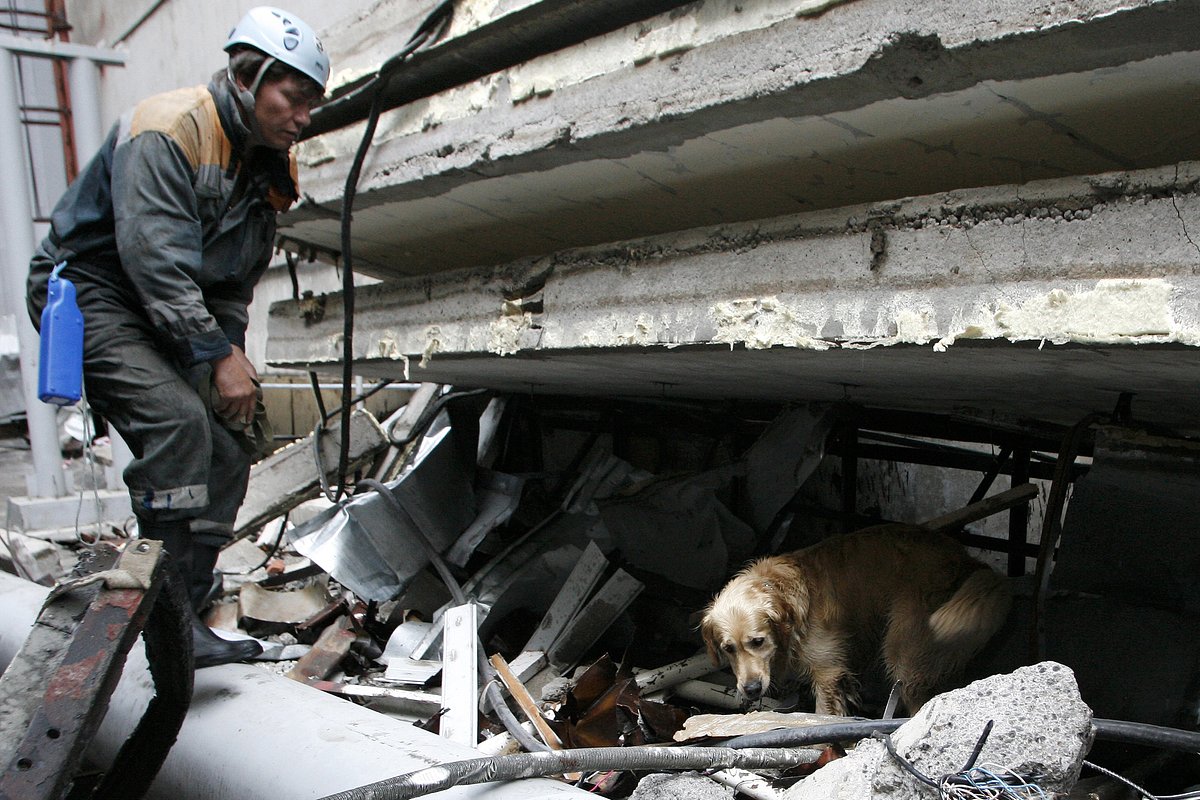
(753,690)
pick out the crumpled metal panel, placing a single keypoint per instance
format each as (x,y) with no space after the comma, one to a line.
(366,547)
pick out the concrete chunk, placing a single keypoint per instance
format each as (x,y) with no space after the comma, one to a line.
(45,513)
(1041,727)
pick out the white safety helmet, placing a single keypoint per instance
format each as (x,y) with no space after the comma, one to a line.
(284,37)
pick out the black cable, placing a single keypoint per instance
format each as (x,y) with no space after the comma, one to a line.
(292,260)
(1109,730)
(270,553)
(430,29)
(319,431)
(361,398)
(429,415)
(315,381)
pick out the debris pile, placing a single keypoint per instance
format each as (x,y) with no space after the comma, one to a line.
(478,553)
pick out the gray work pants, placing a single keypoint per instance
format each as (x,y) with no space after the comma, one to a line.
(186,466)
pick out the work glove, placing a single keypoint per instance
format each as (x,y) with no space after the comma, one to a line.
(255,437)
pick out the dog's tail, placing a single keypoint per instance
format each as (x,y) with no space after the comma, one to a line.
(974,612)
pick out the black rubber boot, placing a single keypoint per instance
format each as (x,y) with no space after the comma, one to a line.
(193,565)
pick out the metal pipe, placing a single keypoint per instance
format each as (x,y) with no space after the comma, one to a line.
(88,129)
(16,225)
(52,48)
(251,733)
(337,387)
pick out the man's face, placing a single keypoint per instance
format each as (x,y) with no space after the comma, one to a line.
(282,109)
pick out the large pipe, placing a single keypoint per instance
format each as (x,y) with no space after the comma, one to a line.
(251,733)
(16,227)
(86,124)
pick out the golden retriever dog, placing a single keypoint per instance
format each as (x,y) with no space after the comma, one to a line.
(912,597)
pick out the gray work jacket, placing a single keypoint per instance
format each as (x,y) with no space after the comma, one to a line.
(177,215)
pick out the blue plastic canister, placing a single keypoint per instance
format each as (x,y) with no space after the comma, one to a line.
(60,372)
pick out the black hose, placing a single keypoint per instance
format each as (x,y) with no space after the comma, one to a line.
(1108,730)
(433,27)
(1141,733)
(798,737)
(536,765)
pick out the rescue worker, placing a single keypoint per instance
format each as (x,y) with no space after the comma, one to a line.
(165,233)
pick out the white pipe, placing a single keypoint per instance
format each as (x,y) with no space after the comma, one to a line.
(754,786)
(16,225)
(53,48)
(84,80)
(251,733)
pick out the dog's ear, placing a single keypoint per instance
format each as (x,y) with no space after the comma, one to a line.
(709,634)
(787,601)
(783,622)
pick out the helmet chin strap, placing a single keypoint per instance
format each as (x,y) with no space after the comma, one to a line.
(244,98)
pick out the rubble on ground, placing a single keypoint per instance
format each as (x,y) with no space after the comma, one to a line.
(1040,730)
(589,615)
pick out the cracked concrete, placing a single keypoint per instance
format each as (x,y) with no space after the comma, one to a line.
(714,115)
(970,277)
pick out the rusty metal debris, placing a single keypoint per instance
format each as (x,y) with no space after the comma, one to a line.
(56,691)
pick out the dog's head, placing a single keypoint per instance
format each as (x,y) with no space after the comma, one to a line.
(752,621)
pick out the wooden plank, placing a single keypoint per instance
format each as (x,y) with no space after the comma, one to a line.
(460,675)
(570,598)
(525,702)
(332,646)
(984,508)
(288,477)
(529,709)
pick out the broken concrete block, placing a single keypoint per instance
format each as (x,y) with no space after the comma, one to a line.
(288,477)
(1041,727)
(684,786)
(45,513)
(35,559)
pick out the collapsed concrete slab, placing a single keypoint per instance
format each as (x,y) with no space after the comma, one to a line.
(1042,731)
(1081,287)
(722,111)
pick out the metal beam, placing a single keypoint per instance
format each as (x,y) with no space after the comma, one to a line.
(16,227)
(50,48)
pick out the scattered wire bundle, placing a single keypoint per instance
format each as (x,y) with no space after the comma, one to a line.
(988,782)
